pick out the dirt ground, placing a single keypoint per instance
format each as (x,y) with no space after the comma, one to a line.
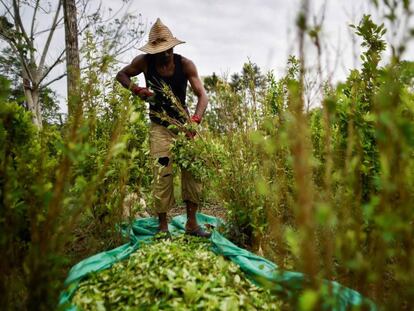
(209,209)
(88,239)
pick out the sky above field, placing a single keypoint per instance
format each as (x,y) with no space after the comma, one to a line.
(222,35)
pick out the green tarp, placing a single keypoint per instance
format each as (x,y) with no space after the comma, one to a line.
(260,270)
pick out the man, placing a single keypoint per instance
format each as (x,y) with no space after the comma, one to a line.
(162,67)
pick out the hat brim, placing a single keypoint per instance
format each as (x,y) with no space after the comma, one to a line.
(160,47)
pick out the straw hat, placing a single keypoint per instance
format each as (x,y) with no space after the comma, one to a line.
(160,39)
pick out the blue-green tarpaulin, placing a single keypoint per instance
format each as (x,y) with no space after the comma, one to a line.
(263,272)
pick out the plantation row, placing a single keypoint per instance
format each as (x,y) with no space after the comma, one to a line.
(326,191)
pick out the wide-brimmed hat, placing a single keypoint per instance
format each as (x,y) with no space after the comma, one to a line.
(160,39)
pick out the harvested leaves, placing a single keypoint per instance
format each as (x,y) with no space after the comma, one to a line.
(177,274)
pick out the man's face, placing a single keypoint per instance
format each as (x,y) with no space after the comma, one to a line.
(165,56)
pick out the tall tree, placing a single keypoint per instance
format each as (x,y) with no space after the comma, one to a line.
(116,32)
(10,70)
(72,55)
(21,40)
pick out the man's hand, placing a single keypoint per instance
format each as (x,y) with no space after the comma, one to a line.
(142,92)
(192,133)
(196,119)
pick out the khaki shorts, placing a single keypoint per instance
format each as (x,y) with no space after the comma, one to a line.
(161,139)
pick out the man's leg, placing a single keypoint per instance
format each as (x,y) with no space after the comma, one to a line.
(163,190)
(191,216)
(163,222)
(160,145)
(191,190)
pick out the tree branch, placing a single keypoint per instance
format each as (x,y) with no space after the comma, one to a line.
(49,39)
(111,17)
(53,80)
(82,14)
(19,23)
(6,37)
(58,25)
(23,62)
(61,76)
(15,47)
(126,47)
(58,60)
(7,9)
(36,7)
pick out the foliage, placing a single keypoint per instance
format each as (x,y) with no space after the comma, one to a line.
(28,160)
(327,191)
(177,274)
(201,156)
(10,69)
(58,183)
(116,161)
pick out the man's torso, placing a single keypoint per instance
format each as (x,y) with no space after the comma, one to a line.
(172,77)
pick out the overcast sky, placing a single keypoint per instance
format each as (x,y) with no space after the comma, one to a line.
(222,35)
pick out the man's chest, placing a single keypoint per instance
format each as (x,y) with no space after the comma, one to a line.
(165,70)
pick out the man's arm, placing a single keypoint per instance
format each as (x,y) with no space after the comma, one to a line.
(137,66)
(190,71)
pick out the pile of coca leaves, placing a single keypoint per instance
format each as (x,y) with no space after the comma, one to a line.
(180,273)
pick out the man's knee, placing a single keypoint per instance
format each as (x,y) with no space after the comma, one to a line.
(191,188)
(164,161)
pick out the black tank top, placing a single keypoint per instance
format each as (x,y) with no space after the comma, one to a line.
(178,84)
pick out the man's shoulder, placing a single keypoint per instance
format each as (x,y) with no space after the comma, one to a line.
(140,62)
(187,64)
(141,58)
(184,60)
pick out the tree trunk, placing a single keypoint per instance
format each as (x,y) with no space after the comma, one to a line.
(33,103)
(72,57)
